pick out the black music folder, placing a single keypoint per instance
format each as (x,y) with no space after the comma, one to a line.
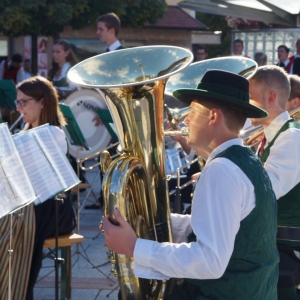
(105,116)
(8,94)
(73,131)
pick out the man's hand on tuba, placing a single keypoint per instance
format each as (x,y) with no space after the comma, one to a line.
(120,239)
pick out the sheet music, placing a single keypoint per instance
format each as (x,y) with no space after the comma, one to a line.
(42,176)
(15,187)
(55,155)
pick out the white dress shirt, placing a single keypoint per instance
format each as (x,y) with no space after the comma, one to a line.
(223,197)
(114,46)
(64,71)
(283,162)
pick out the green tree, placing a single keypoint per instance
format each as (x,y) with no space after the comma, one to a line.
(217,23)
(48,17)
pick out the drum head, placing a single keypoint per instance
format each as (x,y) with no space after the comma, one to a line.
(84,104)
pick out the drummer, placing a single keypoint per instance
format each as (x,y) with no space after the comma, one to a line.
(233,205)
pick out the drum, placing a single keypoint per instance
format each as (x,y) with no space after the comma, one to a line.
(84,104)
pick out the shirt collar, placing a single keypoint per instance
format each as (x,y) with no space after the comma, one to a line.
(286,62)
(275,125)
(114,46)
(224,146)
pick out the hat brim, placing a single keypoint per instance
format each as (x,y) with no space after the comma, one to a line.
(188,95)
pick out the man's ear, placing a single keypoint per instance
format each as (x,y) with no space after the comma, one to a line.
(272,97)
(214,114)
(296,102)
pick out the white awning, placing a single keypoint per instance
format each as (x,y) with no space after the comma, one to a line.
(271,11)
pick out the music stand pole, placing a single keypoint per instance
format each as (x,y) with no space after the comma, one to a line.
(58,260)
(10,251)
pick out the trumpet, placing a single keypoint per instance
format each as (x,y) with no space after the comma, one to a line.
(251,133)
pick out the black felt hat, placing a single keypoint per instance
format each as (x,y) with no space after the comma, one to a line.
(225,88)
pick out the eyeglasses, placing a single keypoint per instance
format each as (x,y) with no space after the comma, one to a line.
(23,102)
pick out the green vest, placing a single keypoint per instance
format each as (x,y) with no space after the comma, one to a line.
(289,204)
(252,271)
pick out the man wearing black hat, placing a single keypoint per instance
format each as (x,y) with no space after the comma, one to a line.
(12,68)
(226,248)
(279,151)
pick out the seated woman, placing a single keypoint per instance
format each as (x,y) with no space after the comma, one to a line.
(38,102)
(63,59)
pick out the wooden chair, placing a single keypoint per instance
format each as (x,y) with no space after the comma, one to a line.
(64,243)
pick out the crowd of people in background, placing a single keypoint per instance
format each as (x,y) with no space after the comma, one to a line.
(285,90)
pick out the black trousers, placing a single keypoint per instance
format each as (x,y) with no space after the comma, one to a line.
(45,222)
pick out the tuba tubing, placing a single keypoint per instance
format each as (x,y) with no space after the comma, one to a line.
(133,82)
(135,182)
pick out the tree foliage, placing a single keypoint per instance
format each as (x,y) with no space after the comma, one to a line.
(217,23)
(48,17)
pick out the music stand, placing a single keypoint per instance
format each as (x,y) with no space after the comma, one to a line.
(76,137)
(8,94)
(105,116)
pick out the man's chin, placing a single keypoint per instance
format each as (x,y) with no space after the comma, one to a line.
(255,122)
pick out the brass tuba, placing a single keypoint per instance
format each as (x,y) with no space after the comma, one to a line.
(133,82)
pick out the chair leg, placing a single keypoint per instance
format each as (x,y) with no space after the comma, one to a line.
(66,273)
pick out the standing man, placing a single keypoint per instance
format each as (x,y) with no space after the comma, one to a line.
(201,53)
(284,61)
(233,205)
(108,27)
(238,48)
(279,151)
(12,68)
(296,55)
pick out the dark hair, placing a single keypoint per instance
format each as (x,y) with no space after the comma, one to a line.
(296,66)
(71,58)
(39,88)
(295,86)
(200,47)
(18,58)
(238,41)
(260,58)
(284,47)
(111,20)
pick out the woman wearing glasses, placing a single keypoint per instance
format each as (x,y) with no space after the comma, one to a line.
(37,100)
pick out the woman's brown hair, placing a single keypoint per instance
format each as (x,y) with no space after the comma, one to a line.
(40,88)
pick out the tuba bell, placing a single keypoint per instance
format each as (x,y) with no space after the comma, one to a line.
(133,82)
(189,77)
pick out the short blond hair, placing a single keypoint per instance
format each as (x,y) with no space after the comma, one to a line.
(274,78)
(295,86)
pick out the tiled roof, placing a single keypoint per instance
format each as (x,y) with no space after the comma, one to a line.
(176,17)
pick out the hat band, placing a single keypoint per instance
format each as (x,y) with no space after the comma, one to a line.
(224,91)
